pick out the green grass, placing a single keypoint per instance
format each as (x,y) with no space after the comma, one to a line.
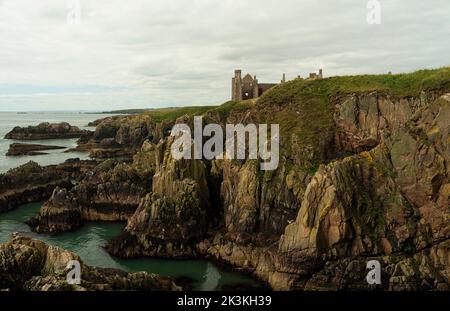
(224,110)
(398,85)
(171,114)
(304,108)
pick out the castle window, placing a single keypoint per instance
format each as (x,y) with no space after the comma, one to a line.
(246,94)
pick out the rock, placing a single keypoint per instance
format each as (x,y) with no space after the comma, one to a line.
(46,131)
(390,204)
(30,149)
(33,183)
(123,136)
(109,192)
(365,120)
(31,265)
(362,176)
(173,218)
(60,213)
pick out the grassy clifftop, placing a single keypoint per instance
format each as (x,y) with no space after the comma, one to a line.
(396,85)
(304,108)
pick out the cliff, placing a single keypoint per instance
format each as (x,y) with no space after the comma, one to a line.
(363,174)
(32,182)
(109,191)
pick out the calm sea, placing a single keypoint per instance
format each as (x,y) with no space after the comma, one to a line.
(9,120)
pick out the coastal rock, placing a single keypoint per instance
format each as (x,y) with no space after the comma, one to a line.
(123,136)
(109,192)
(59,214)
(363,175)
(30,149)
(390,204)
(46,131)
(365,120)
(33,183)
(31,265)
(171,219)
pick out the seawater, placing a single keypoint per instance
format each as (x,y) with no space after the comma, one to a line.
(88,241)
(9,120)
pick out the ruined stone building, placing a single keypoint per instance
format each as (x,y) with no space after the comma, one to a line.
(249,87)
(315,76)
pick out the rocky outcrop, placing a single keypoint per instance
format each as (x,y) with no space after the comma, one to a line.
(30,149)
(60,213)
(365,120)
(32,182)
(363,175)
(46,131)
(31,265)
(174,217)
(109,192)
(389,204)
(122,136)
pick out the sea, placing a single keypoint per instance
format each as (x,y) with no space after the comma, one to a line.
(89,241)
(9,120)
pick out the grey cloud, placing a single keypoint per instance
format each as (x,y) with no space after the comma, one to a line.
(181,52)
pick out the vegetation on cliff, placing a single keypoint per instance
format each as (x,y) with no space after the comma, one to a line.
(363,174)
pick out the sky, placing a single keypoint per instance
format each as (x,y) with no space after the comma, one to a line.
(115,54)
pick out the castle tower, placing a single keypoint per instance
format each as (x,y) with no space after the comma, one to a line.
(255,88)
(284,78)
(320,74)
(236,86)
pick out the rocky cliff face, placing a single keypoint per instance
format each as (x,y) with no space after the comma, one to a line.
(32,182)
(363,175)
(390,203)
(170,220)
(122,136)
(27,264)
(110,192)
(365,120)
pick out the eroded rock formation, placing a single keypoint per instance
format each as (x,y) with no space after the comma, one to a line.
(46,131)
(174,217)
(109,192)
(32,182)
(27,264)
(390,204)
(363,175)
(30,149)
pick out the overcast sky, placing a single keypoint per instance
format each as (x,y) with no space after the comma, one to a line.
(156,53)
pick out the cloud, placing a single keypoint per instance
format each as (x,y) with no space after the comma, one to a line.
(153,53)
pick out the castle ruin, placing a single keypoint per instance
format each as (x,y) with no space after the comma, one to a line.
(249,87)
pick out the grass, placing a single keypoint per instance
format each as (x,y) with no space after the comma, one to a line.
(225,109)
(304,108)
(171,114)
(398,85)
